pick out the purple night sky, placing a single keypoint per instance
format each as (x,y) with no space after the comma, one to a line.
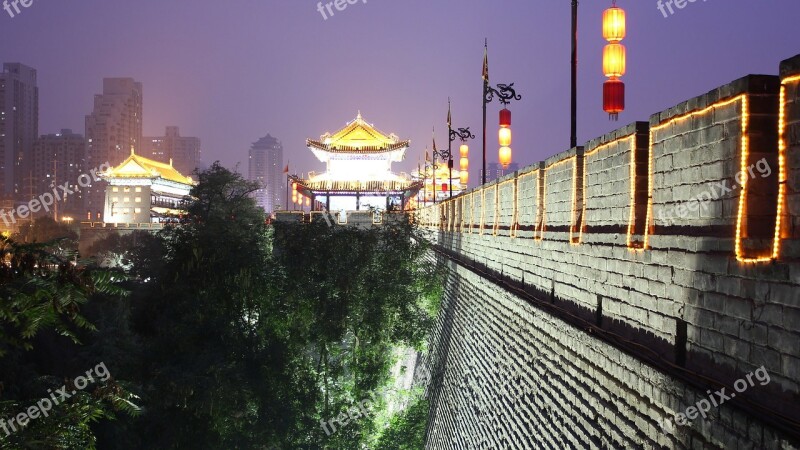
(231,71)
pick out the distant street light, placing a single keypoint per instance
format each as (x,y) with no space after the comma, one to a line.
(447,155)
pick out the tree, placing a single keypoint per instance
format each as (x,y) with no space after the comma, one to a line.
(42,297)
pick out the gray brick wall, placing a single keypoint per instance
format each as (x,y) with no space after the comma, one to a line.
(693,296)
(790,74)
(513,377)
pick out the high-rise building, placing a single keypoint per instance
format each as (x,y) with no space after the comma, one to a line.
(265,166)
(59,159)
(184,152)
(495,170)
(19,127)
(113,130)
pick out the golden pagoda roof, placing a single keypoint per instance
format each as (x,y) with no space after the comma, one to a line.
(358,136)
(140,167)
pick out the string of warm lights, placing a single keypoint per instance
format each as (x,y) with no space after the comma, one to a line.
(743,194)
(483,210)
(577,230)
(520,185)
(515,214)
(632,139)
(574,186)
(573,219)
(494,211)
(542,194)
(649,230)
(782,172)
(632,214)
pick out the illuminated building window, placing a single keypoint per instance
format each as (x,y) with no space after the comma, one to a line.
(115,189)
(137,199)
(138,189)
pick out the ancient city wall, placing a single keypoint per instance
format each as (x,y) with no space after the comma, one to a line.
(598,292)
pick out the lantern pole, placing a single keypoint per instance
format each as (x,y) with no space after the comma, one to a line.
(449,150)
(573,139)
(434,166)
(505,93)
(447,154)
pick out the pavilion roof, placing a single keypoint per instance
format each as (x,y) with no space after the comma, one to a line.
(136,166)
(358,136)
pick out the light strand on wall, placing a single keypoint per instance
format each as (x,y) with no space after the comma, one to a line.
(542,191)
(574,212)
(783,178)
(520,186)
(632,213)
(745,150)
(496,220)
(544,209)
(498,207)
(483,210)
(597,149)
(649,228)
(515,214)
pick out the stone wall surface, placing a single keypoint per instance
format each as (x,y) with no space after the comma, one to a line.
(596,293)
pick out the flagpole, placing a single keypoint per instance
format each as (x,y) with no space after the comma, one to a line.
(450,149)
(425,179)
(287,185)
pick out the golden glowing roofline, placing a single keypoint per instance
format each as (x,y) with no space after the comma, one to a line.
(136,166)
(358,136)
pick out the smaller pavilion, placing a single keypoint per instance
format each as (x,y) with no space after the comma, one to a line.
(141,190)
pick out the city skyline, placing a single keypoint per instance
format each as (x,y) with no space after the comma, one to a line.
(182,87)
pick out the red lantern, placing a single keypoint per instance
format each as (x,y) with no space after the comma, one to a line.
(505,118)
(614,61)
(444,187)
(505,138)
(614,97)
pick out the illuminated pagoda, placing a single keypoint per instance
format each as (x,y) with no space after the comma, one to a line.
(437,186)
(141,190)
(358,174)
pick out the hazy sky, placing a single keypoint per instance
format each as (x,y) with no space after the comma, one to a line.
(231,71)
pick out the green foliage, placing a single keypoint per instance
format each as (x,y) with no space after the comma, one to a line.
(406,431)
(43,290)
(60,236)
(236,334)
(42,294)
